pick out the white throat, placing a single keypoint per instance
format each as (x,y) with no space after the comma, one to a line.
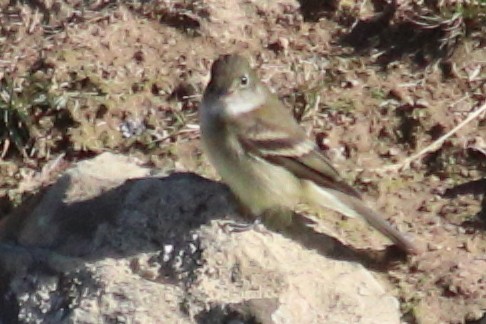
(244,102)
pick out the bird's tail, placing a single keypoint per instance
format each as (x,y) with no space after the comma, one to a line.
(354,207)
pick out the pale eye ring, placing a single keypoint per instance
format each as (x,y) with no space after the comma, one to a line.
(244,81)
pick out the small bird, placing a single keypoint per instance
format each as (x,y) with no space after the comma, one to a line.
(265,157)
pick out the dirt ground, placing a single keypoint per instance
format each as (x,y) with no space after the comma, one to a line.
(374,83)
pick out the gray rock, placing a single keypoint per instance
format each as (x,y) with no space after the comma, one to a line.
(110,243)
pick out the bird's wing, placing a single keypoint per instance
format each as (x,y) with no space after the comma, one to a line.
(283,142)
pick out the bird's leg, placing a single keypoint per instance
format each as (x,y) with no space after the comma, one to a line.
(239,227)
(276,219)
(243,226)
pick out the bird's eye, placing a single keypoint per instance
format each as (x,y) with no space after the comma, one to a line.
(244,81)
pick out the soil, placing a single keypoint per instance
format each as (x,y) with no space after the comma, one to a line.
(364,79)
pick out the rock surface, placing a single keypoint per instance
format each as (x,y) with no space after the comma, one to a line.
(109,242)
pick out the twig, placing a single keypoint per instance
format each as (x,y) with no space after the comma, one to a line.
(460,100)
(438,143)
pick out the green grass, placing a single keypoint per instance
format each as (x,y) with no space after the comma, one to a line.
(14,121)
(32,113)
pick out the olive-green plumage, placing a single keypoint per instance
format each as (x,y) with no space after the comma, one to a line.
(265,157)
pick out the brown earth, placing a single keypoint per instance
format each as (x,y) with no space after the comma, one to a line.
(371,87)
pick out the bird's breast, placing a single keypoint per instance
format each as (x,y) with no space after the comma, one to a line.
(258,183)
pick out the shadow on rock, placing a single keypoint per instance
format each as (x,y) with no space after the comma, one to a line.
(301,230)
(330,247)
(139,215)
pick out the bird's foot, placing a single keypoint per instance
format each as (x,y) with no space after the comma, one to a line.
(239,227)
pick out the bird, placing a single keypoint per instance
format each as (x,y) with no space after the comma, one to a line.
(264,155)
